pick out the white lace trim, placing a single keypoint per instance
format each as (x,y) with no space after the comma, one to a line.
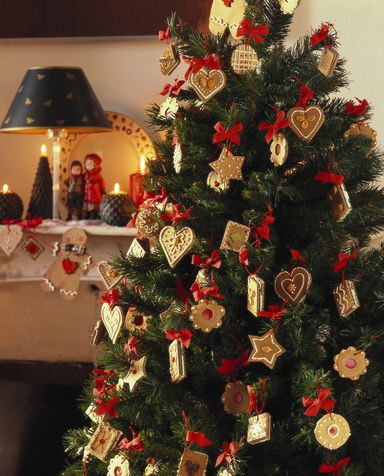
(51,286)
(70,293)
(88,262)
(221,22)
(56,248)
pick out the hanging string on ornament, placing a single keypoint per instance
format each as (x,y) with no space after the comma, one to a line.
(259,425)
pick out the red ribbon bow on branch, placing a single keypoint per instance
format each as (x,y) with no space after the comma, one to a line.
(231,135)
(246,29)
(132,221)
(134,444)
(320,402)
(194,436)
(106,407)
(280,123)
(228,451)
(343,261)
(297,256)
(176,215)
(263,229)
(243,257)
(31,224)
(181,294)
(305,95)
(325,177)
(184,336)
(253,400)
(200,293)
(130,346)
(195,64)
(172,88)
(274,312)
(151,198)
(335,469)
(213,261)
(164,35)
(228,366)
(319,36)
(110,297)
(359,109)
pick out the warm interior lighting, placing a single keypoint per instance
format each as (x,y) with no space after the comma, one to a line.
(44,150)
(142,165)
(5,188)
(117,188)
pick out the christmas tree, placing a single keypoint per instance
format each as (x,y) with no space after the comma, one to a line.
(40,203)
(252,343)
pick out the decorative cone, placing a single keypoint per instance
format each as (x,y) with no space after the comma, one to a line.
(40,204)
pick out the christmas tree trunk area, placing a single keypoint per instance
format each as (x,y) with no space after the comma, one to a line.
(246,336)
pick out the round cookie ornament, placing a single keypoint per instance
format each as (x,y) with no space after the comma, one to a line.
(332,431)
(136,321)
(147,223)
(279,149)
(207,315)
(244,58)
(235,398)
(351,363)
(118,466)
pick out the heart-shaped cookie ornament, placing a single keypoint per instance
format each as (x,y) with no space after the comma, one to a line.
(293,286)
(10,237)
(108,274)
(176,244)
(305,122)
(113,320)
(207,82)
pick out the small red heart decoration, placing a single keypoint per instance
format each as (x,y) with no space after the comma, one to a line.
(68,266)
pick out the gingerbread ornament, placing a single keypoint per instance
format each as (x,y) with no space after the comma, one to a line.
(346,298)
(235,236)
(339,202)
(136,372)
(265,349)
(192,463)
(103,441)
(176,244)
(364,130)
(136,321)
(256,294)
(244,58)
(328,61)
(207,83)
(31,247)
(147,223)
(259,428)
(226,15)
(118,466)
(169,60)
(10,237)
(177,158)
(112,320)
(207,315)
(294,285)
(98,332)
(71,260)
(108,274)
(351,363)
(235,398)
(177,361)
(279,149)
(305,122)
(332,431)
(228,166)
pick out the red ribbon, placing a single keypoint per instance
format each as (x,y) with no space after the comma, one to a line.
(184,336)
(200,293)
(198,438)
(359,109)
(130,346)
(31,224)
(11,222)
(176,215)
(343,261)
(335,469)
(320,402)
(195,64)
(263,229)
(297,256)
(274,312)
(151,198)
(228,366)
(319,36)
(111,298)
(325,177)
(106,407)
(231,135)
(164,35)
(181,294)
(172,88)
(253,400)
(243,257)
(280,123)
(132,221)
(213,261)
(134,444)
(305,95)
(245,29)
(227,453)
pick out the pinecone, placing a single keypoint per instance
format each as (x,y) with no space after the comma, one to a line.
(11,206)
(116,209)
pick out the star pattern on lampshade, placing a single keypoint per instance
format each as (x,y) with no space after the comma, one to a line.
(265,349)
(228,166)
(135,374)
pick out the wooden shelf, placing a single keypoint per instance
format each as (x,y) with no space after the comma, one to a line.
(58,227)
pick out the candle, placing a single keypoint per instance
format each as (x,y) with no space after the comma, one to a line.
(116,207)
(43,150)
(11,206)
(116,188)
(5,188)
(136,183)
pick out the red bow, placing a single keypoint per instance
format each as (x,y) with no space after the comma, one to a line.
(11,222)
(305,95)
(325,177)
(230,134)
(110,297)
(280,123)
(181,294)
(151,198)
(227,453)
(213,261)
(176,215)
(106,407)
(130,346)
(101,387)
(172,88)
(134,444)
(245,28)
(132,221)
(30,224)
(184,336)
(164,34)
(343,261)
(297,256)
(334,468)
(318,403)
(274,313)
(359,109)
(200,293)
(243,257)
(228,366)
(253,401)
(263,229)
(198,438)
(320,36)
(195,64)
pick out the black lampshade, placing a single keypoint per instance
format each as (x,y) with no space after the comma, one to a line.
(57,98)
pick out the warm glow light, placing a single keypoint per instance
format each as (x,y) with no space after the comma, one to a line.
(117,188)
(5,188)
(142,164)
(44,150)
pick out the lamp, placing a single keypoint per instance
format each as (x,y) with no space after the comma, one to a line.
(55,100)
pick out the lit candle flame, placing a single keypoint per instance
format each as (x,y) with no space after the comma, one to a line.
(117,188)
(5,188)
(142,165)
(43,150)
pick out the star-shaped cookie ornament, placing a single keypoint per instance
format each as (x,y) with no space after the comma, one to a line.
(135,374)
(228,166)
(266,349)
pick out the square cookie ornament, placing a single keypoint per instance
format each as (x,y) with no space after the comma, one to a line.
(193,463)
(103,441)
(235,236)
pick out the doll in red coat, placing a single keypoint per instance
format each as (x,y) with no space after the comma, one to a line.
(94,187)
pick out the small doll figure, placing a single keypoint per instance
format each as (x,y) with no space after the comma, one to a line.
(75,184)
(94,187)
(71,260)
